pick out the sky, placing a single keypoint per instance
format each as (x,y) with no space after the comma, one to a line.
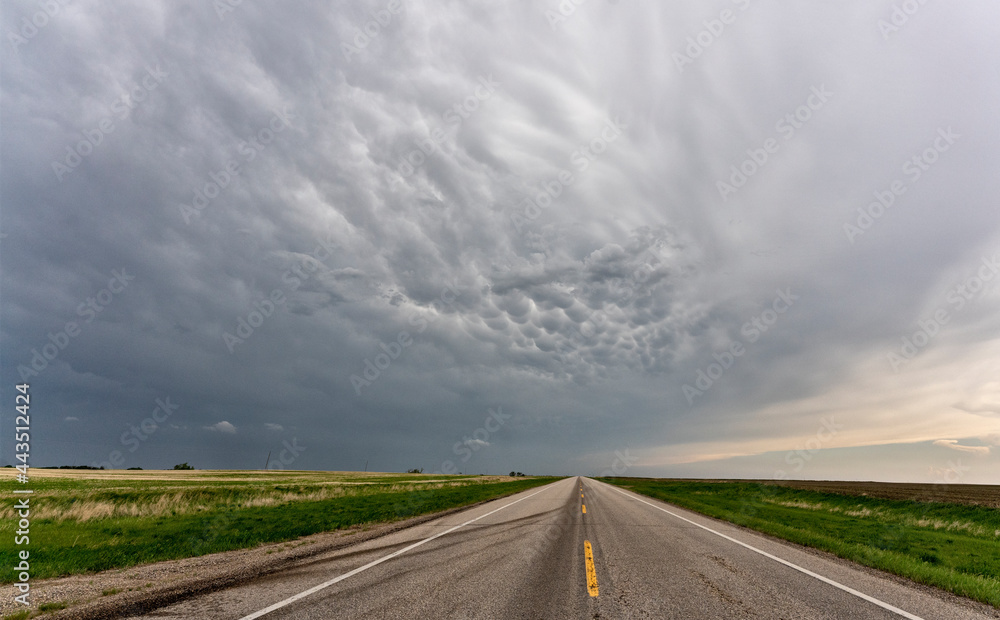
(733,239)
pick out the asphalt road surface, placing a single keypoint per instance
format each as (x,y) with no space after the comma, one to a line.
(576,548)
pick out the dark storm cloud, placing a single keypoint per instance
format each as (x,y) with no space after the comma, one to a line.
(364,227)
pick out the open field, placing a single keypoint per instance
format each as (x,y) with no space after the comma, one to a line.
(972,494)
(987,495)
(87,520)
(954,546)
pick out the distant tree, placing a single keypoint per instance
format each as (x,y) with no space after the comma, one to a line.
(140,469)
(415,471)
(183,466)
(513,473)
(520,474)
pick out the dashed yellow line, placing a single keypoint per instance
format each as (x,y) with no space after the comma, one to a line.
(584,508)
(591,573)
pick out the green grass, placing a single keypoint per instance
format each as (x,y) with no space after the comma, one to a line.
(951,546)
(92,524)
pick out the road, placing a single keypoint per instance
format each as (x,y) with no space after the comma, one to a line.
(577,548)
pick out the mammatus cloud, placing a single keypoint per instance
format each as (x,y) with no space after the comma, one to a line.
(287,223)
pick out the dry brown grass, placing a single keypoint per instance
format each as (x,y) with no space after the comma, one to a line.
(87,495)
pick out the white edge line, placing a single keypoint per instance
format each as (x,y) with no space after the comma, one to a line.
(326,584)
(806,571)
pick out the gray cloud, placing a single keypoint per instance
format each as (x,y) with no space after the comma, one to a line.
(294,216)
(954,445)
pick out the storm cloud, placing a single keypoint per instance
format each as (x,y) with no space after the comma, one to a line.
(708,236)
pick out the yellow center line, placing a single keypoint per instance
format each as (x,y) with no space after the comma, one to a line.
(581,494)
(584,508)
(591,573)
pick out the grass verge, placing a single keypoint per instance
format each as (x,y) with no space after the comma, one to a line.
(950,546)
(96,524)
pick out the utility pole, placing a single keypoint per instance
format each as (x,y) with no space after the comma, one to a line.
(268,460)
(366,465)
